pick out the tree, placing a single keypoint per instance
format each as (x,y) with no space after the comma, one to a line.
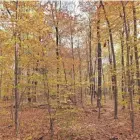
(129,82)
(114,77)
(16,74)
(99,64)
(135,47)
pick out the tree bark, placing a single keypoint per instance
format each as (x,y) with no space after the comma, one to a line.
(90,62)
(114,77)
(136,48)
(80,74)
(128,68)
(73,59)
(1,76)
(16,75)
(110,68)
(99,51)
(123,68)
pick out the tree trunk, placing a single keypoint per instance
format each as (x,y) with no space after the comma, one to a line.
(110,69)
(99,51)
(90,63)
(80,74)
(123,69)
(114,77)
(73,59)
(136,49)
(47,93)
(94,79)
(28,82)
(1,76)
(57,57)
(87,62)
(128,68)
(16,75)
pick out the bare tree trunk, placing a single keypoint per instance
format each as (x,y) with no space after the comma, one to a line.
(87,62)
(57,56)
(73,59)
(28,89)
(94,80)
(47,93)
(136,48)
(1,76)
(123,68)
(104,88)
(114,77)
(90,63)
(55,21)
(110,68)
(63,65)
(132,93)
(16,75)
(128,68)
(99,51)
(80,74)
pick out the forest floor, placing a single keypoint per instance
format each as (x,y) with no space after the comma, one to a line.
(69,124)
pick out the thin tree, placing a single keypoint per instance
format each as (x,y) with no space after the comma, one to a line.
(99,51)
(128,67)
(16,73)
(123,67)
(73,57)
(90,60)
(55,22)
(80,73)
(136,48)
(114,76)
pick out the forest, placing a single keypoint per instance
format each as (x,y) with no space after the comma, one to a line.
(69,70)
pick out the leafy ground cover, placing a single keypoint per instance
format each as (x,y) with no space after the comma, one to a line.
(69,124)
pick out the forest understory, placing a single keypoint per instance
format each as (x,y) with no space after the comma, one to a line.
(73,123)
(69,70)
